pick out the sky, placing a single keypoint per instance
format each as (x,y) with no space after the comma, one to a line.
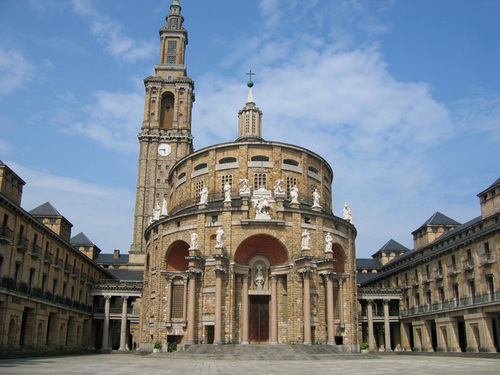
(402,98)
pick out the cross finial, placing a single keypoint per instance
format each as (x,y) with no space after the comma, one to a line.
(250,74)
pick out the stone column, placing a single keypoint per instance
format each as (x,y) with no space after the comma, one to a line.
(330,310)
(244,311)
(123,331)
(105,330)
(371,337)
(341,301)
(218,308)
(307,307)
(169,296)
(387,326)
(191,324)
(184,300)
(274,310)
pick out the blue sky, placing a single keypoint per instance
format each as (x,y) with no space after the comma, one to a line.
(402,98)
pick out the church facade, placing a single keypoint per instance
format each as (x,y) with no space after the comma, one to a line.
(240,244)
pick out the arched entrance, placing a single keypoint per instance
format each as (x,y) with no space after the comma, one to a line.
(259,258)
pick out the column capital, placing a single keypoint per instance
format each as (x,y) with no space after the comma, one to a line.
(274,279)
(107,298)
(125,297)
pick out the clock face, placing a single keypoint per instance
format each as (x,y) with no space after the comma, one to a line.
(164,149)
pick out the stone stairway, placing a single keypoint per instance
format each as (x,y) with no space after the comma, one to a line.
(262,352)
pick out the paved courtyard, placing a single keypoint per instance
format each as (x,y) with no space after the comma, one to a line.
(111,364)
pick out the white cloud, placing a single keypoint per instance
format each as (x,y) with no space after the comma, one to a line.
(96,210)
(15,71)
(110,33)
(113,120)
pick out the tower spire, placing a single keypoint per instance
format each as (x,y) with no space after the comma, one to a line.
(250,117)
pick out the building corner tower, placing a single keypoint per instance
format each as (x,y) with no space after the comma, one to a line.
(165,135)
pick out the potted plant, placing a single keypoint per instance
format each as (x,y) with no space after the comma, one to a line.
(365,348)
(157,347)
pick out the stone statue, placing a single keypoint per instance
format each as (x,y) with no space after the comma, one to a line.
(259,278)
(156,212)
(227,192)
(306,238)
(328,243)
(219,236)
(294,194)
(245,186)
(316,198)
(164,211)
(204,196)
(347,213)
(262,207)
(194,241)
(278,188)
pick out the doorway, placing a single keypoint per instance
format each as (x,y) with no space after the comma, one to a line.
(259,319)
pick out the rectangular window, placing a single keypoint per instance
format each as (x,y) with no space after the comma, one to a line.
(171,60)
(177,301)
(491,287)
(31,280)
(259,180)
(199,186)
(226,179)
(172,47)
(17,274)
(290,183)
(174,22)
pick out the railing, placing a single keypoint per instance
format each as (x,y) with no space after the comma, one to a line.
(487,258)
(75,273)
(67,269)
(28,291)
(22,244)
(452,270)
(57,263)
(6,234)
(35,251)
(468,264)
(48,258)
(454,303)
(438,274)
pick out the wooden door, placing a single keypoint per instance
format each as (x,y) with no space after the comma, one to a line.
(259,319)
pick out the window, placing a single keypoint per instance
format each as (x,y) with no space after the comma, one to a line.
(199,186)
(17,273)
(182,175)
(259,180)
(441,294)
(417,299)
(428,296)
(44,282)
(456,294)
(290,182)
(472,289)
(491,287)
(259,158)
(171,60)
(172,47)
(174,22)
(200,166)
(177,306)
(291,162)
(31,280)
(54,287)
(227,160)
(313,170)
(228,178)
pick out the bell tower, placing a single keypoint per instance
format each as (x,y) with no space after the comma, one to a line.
(250,118)
(165,135)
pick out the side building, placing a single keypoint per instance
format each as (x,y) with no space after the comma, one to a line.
(445,294)
(46,297)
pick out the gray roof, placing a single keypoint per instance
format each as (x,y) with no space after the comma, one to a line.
(497,182)
(126,274)
(45,209)
(81,239)
(109,258)
(439,219)
(368,263)
(392,245)
(365,277)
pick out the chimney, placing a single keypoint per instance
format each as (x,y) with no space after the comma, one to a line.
(116,254)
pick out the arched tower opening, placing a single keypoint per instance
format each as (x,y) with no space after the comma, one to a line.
(176,256)
(167,110)
(338,255)
(261,244)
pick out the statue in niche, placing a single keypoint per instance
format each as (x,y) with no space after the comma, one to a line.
(204,196)
(294,194)
(259,278)
(194,241)
(278,187)
(245,186)
(227,192)
(316,198)
(219,238)
(262,207)
(347,213)
(156,213)
(328,243)
(306,238)
(164,211)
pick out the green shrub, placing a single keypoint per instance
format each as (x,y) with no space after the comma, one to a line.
(158,345)
(365,346)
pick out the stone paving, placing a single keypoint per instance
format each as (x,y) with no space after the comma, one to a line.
(111,364)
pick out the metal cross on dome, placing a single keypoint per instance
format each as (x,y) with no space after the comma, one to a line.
(250,74)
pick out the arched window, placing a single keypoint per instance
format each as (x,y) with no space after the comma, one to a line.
(227,160)
(260,158)
(313,170)
(167,110)
(200,166)
(291,162)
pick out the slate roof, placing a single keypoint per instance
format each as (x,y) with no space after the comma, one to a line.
(368,263)
(45,209)
(109,258)
(489,187)
(365,277)
(394,246)
(81,239)
(122,274)
(438,219)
